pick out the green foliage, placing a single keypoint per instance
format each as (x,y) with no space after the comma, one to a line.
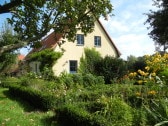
(89,61)
(47,58)
(72,114)
(139,64)
(130,62)
(6,64)
(117,111)
(73,80)
(7,36)
(62,16)
(9,58)
(164,75)
(7,81)
(157,112)
(78,99)
(139,117)
(158,23)
(135,63)
(37,99)
(109,67)
(113,113)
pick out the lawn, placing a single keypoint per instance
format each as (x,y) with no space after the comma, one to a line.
(14,112)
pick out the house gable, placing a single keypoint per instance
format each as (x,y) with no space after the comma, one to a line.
(74,50)
(98,39)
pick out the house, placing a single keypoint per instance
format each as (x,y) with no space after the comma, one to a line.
(98,39)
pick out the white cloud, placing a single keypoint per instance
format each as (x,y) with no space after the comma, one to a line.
(127,27)
(134,44)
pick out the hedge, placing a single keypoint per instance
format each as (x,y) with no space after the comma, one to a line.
(41,100)
(76,115)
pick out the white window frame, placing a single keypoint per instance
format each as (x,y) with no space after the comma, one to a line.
(97,41)
(80,39)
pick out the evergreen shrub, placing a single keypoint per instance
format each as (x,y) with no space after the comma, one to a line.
(37,99)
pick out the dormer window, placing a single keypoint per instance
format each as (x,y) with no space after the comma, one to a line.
(97,41)
(80,39)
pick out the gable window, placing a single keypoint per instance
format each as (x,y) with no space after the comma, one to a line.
(97,41)
(73,66)
(80,39)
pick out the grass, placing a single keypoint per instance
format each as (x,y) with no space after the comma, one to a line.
(14,112)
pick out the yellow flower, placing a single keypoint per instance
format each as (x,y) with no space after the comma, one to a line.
(139,71)
(152,92)
(138,94)
(132,75)
(147,68)
(153,74)
(140,81)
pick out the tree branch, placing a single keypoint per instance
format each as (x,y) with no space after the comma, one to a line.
(12,46)
(23,43)
(6,8)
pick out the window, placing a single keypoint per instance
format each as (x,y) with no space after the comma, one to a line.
(73,66)
(97,41)
(80,39)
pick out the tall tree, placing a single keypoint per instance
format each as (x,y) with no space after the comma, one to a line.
(9,57)
(158,21)
(33,19)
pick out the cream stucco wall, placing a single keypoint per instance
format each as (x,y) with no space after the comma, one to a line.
(74,51)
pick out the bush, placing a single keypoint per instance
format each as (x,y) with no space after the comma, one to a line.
(113,113)
(76,115)
(109,67)
(37,99)
(116,111)
(73,80)
(7,81)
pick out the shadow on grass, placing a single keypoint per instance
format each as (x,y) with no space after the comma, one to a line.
(46,121)
(50,121)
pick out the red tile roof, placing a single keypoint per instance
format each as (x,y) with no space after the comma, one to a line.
(50,41)
(21,57)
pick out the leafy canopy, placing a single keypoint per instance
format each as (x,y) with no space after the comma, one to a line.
(158,21)
(33,19)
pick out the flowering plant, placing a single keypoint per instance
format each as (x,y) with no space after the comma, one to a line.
(155,65)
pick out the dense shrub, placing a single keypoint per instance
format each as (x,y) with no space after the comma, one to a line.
(106,113)
(109,67)
(89,60)
(76,115)
(73,80)
(7,81)
(135,63)
(37,99)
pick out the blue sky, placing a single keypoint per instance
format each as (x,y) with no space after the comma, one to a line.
(126,28)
